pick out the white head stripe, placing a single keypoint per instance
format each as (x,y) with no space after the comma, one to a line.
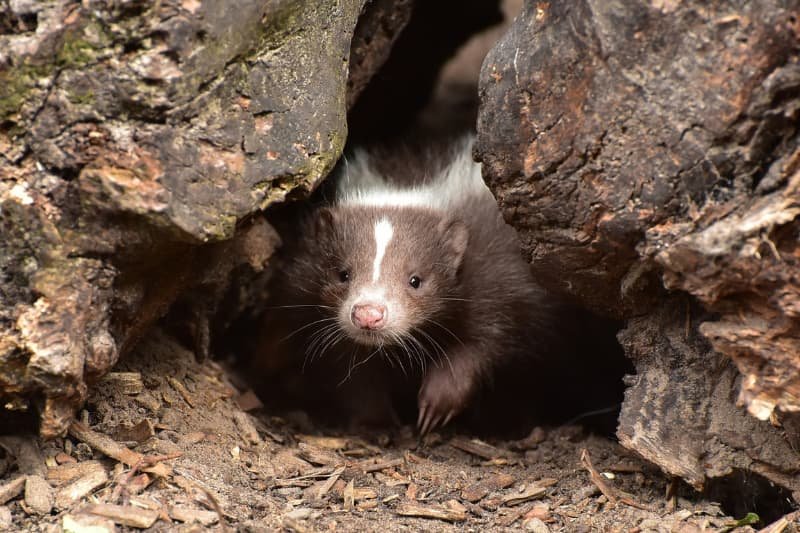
(383,234)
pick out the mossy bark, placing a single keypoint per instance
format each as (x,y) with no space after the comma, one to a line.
(135,135)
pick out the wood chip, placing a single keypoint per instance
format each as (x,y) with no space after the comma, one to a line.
(6,519)
(247,428)
(329,443)
(296,526)
(70,494)
(62,458)
(530,493)
(159,470)
(478,448)
(181,389)
(330,482)
(248,401)
(104,444)
(38,495)
(612,494)
(136,433)
(11,489)
(127,382)
(193,438)
(138,483)
(349,496)
(84,523)
(125,515)
(358,493)
(190,514)
(439,513)
(317,456)
(61,474)
(479,490)
(375,465)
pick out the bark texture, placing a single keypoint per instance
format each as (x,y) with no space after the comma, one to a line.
(135,138)
(644,146)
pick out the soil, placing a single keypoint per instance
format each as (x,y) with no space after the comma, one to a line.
(220,461)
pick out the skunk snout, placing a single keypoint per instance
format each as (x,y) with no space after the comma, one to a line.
(368,316)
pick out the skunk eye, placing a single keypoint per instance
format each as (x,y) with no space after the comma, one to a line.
(415,282)
(344,276)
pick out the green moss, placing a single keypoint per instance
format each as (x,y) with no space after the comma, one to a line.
(77,50)
(224,228)
(80,98)
(16,86)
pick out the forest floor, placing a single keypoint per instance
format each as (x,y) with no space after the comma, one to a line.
(167,443)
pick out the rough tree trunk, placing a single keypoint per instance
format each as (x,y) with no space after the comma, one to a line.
(131,133)
(638,146)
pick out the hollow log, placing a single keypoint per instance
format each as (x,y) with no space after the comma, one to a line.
(135,139)
(648,154)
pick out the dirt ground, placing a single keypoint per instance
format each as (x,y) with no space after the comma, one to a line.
(166,443)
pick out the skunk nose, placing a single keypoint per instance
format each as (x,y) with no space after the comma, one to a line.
(368,316)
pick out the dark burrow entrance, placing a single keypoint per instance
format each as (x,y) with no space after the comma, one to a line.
(424,95)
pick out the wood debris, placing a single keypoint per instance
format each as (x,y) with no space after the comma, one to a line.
(180,388)
(612,494)
(349,496)
(375,465)
(136,433)
(317,456)
(295,525)
(125,515)
(105,444)
(58,475)
(478,448)
(92,479)
(530,493)
(11,489)
(246,427)
(439,513)
(329,443)
(38,495)
(189,514)
(126,382)
(85,523)
(358,493)
(329,483)
(477,491)
(62,458)
(248,401)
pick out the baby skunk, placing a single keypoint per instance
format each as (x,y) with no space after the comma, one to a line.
(422,271)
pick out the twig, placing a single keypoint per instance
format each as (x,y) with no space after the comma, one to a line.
(613,495)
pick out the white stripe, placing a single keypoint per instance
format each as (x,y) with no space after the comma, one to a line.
(383,234)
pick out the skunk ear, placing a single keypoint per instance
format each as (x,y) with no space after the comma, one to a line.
(454,236)
(324,218)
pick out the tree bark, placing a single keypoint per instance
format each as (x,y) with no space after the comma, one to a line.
(643,149)
(135,138)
